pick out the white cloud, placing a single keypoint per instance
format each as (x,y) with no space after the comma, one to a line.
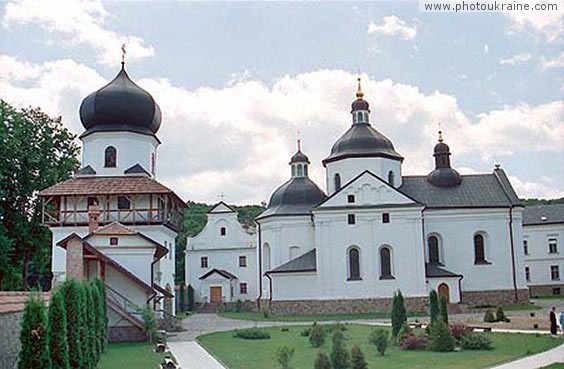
(394,26)
(486,49)
(552,63)
(516,59)
(548,23)
(77,22)
(526,189)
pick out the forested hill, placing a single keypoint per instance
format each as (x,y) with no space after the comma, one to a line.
(531,202)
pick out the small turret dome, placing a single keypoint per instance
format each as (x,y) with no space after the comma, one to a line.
(121,105)
(359,103)
(299,157)
(443,175)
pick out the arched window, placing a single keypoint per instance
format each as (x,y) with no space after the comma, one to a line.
(265,257)
(305,170)
(223,231)
(359,115)
(293,170)
(337,180)
(433,244)
(300,170)
(391,178)
(385,263)
(354,264)
(110,157)
(479,249)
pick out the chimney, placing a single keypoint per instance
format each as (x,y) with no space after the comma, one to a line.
(93,217)
(75,262)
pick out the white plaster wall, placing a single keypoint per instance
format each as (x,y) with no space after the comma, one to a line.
(132,148)
(351,167)
(126,287)
(136,260)
(295,286)
(539,259)
(210,237)
(457,229)
(217,281)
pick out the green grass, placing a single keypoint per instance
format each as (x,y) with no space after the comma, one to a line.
(256,316)
(522,307)
(138,355)
(258,354)
(549,297)
(554,366)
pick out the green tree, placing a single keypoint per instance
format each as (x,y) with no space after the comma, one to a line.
(340,358)
(88,337)
(399,314)
(443,309)
(149,322)
(441,338)
(379,338)
(57,335)
(97,320)
(357,359)
(322,361)
(434,305)
(283,356)
(103,311)
(34,352)
(37,151)
(317,335)
(72,297)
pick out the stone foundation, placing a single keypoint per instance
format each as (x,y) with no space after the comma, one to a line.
(546,290)
(126,334)
(495,297)
(348,306)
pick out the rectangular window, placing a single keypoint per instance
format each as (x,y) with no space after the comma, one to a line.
(123,203)
(527,274)
(350,199)
(204,262)
(351,219)
(113,241)
(386,218)
(92,201)
(243,288)
(222,231)
(526,247)
(554,273)
(242,261)
(552,246)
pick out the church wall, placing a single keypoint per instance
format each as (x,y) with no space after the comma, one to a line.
(211,238)
(132,148)
(351,167)
(137,261)
(456,230)
(334,237)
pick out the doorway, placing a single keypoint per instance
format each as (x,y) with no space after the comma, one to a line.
(444,291)
(215,294)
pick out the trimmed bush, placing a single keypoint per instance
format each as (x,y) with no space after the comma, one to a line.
(404,332)
(415,342)
(34,352)
(306,332)
(379,338)
(500,315)
(149,322)
(340,358)
(284,356)
(443,309)
(434,305)
(476,341)
(57,335)
(72,298)
(322,361)
(252,334)
(399,314)
(317,335)
(459,330)
(357,359)
(489,317)
(441,339)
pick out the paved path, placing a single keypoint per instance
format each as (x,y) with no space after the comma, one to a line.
(190,355)
(556,355)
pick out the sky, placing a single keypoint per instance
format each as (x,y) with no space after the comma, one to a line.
(239,82)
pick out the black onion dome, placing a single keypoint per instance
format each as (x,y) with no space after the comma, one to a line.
(299,157)
(359,104)
(444,177)
(121,105)
(295,197)
(441,148)
(362,140)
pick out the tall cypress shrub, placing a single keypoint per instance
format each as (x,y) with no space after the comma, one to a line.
(434,306)
(72,298)
(34,352)
(97,320)
(103,313)
(399,314)
(57,335)
(340,357)
(90,336)
(443,309)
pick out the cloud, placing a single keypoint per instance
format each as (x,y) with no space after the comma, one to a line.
(77,22)
(516,59)
(526,189)
(552,63)
(395,27)
(548,23)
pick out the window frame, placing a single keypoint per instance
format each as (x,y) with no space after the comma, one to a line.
(120,205)
(351,199)
(204,262)
(483,260)
(114,241)
(223,231)
(438,249)
(243,288)
(390,263)
(358,275)
(552,245)
(351,219)
(242,261)
(554,272)
(386,218)
(527,274)
(108,163)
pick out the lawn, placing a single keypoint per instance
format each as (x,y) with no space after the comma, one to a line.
(137,355)
(252,354)
(256,316)
(522,307)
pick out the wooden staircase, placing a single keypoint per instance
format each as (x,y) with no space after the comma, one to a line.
(122,306)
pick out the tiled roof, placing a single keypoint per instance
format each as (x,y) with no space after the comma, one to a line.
(303,263)
(543,214)
(115,229)
(434,271)
(13,302)
(476,190)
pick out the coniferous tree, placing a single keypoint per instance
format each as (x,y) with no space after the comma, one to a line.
(399,314)
(441,338)
(434,305)
(84,329)
(90,326)
(357,359)
(340,358)
(57,335)
(34,352)
(72,298)
(97,320)
(322,361)
(103,313)
(443,309)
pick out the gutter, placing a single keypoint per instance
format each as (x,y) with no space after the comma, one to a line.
(260,264)
(513,252)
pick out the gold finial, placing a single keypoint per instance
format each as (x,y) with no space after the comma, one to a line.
(440,136)
(359,93)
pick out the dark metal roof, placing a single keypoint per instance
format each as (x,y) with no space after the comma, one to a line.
(86,171)
(362,140)
(434,271)
(120,105)
(444,177)
(295,197)
(476,190)
(224,273)
(299,157)
(136,169)
(543,214)
(303,263)
(359,104)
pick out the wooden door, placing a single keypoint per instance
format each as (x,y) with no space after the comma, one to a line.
(444,291)
(215,294)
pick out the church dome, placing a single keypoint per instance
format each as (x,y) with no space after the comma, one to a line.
(121,105)
(297,193)
(359,104)
(443,175)
(299,157)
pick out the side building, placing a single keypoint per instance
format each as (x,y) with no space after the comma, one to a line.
(543,233)
(221,261)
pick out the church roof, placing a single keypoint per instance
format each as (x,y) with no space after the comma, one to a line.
(136,169)
(295,197)
(86,171)
(224,273)
(115,229)
(543,214)
(434,271)
(475,191)
(303,263)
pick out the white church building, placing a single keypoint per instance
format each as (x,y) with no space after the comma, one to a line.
(377,231)
(113,220)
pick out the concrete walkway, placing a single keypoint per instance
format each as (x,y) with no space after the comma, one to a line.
(190,355)
(556,355)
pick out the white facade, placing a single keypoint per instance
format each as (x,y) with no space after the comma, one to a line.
(223,245)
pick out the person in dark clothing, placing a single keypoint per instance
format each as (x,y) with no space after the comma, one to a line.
(553,325)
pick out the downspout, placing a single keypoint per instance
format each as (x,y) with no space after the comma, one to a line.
(513,252)
(269,287)
(260,265)
(460,288)
(154,294)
